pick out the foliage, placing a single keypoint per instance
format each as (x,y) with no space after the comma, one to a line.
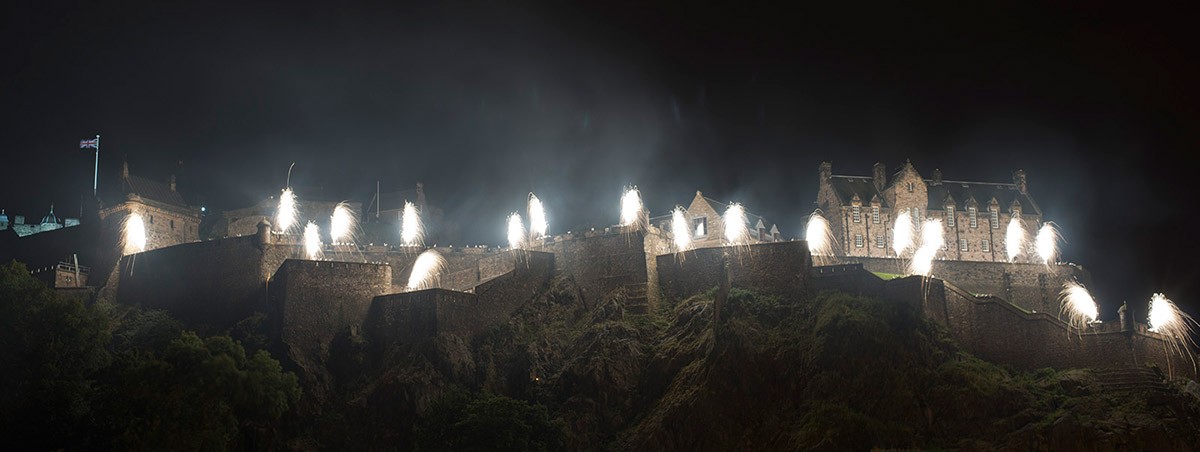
(461,421)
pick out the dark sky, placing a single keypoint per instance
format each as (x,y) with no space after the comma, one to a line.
(484,102)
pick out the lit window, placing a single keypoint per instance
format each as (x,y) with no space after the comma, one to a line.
(858,240)
(857,213)
(875,214)
(700,225)
(994,217)
(962,244)
(879,240)
(973,215)
(950,215)
(987,246)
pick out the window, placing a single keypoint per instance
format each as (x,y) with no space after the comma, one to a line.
(987,246)
(875,214)
(857,213)
(994,217)
(858,240)
(879,240)
(151,219)
(962,244)
(910,187)
(950,216)
(973,216)
(700,225)
(172,225)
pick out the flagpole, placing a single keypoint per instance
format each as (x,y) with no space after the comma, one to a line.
(96,174)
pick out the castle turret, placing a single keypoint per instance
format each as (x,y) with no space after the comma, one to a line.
(1019,180)
(264,233)
(879,174)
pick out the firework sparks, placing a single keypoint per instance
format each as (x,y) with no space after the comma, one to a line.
(312,241)
(679,229)
(133,234)
(819,235)
(537,218)
(516,231)
(932,237)
(1078,305)
(736,232)
(341,224)
(287,214)
(631,207)
(1014,238)
(1168,320)
(412,232)
(903,233)
(1047,243)
(426,271)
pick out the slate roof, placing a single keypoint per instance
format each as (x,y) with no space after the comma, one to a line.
(982,192)
(848,186)
(153,190)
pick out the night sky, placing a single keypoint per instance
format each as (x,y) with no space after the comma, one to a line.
(486,102)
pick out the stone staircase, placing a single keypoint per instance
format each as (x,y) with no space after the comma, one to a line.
(637,299)
(1132,379)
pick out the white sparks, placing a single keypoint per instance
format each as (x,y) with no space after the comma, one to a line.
(412,232)
(287,214)
(631,207)
(680,231)
(736,232)
(341,224)
(312,241)
(1168,320)
(426,271)
(932,237)
(516,231)
(134,234)
(538,227)
(1078,305)
(1014,238)
(903,233)
(1047,243)
(819,235)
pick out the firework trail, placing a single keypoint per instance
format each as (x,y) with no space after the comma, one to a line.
(538,227)
(903,233)
(516,231)
(1167,319)
(341,224)
(680,231)
(312,241)
(631,206)
(426,271)
(932,239)
(1014,238)
(1047,243)
(1078,305)
(133,234)
(412,232)
(287,215)
(736,232)
(819,235)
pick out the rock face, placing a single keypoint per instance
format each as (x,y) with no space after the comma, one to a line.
(827,372)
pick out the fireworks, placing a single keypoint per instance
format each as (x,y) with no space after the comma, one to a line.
(426,271)
(134,234)
(734,218)
(680,231)
(1014,238)
(287,214)
(631,207)
(341,224)
(412,232)
(1047,243)
(1078,305)
(931,242)
(312,241)
(819,235)
(1168,320)
(537,218)
(903,233)
(516,231)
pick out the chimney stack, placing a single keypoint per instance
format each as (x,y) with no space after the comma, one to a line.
(172,182)
(879,173)
(824,173)
(937,177)
(1019,180)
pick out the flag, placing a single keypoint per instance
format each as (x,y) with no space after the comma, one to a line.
(92,143)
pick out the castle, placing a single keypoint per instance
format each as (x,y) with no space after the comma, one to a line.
(1001,311)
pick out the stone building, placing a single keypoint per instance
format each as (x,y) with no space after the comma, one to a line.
(49,222)
(311,205)
(381,223)
(706,222)
(168,218)
(862,210)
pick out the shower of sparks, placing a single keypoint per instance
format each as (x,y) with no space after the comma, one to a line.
(819,235)
(341,224)
(412,232)
(287,214)
(312,241)
(631,207)
(903,233)
(932,238)
(1168,320)
(133,234)
(1047,243)
(1014,238)
(680,231)
(516,231)
(736,232)
(537,218)
(1078,305)
(426,271)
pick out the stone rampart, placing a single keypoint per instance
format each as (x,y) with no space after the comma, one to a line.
(778,267)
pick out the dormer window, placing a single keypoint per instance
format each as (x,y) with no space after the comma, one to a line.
(856,213)
(973,216)
(950,215)
(994,217)
(875,214)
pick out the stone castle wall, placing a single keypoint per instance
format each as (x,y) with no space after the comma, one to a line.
(777,267)
(602,262)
